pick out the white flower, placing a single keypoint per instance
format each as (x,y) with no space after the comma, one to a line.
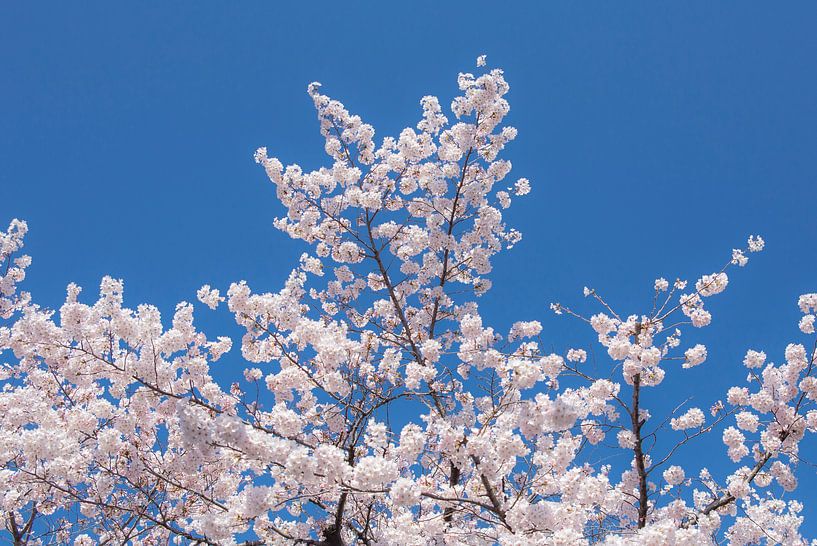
(694,356)
(754,359)
(700,318)
(739,258)
(747,421)
(709,285)
(602,324)
(253,374)
(209,296)
(693,418)
(807,302)
(592,431)
(348,252)
(674,475)
(577,355)
(524,329)
(661,284)
(404,492)
(521,187)
(807,324)
(626,439)
(756,243)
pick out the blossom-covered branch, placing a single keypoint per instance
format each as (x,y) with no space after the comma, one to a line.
(371,401)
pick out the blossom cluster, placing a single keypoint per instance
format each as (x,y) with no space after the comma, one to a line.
(113,428)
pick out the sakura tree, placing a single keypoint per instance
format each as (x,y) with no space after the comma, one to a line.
(113,430)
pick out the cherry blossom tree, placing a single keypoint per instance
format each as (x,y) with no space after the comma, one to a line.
(113,430)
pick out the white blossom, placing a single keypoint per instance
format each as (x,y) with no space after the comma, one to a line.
(125,421)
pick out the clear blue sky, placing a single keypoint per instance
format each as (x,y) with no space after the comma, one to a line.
(657,136)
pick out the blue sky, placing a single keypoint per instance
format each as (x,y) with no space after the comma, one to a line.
(657,136)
